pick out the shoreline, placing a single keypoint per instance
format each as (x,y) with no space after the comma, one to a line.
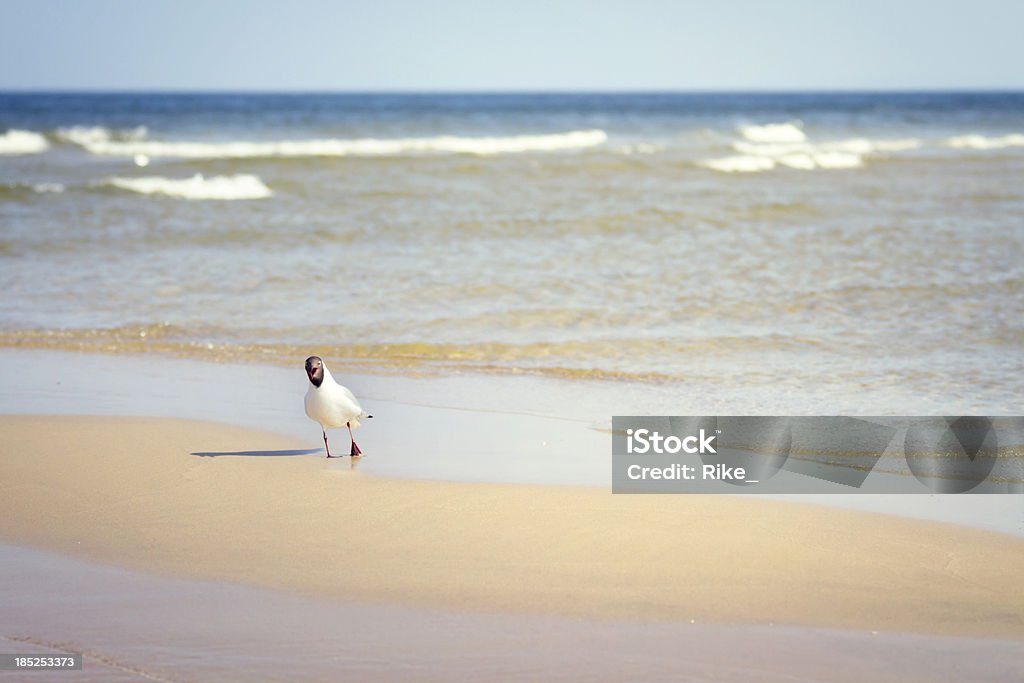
(522,430)
(224,503)
(139,340)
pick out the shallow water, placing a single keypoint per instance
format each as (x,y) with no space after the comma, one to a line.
(803,247)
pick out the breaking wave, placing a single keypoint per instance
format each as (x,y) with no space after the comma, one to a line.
(855,146)
(984,142)
(774,132)
(750,163)
(232,187)
(739,164)
(22,142)
(100,142)
(91,135)
(785,145)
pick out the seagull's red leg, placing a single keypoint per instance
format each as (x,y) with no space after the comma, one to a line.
(355,448)
(325,444)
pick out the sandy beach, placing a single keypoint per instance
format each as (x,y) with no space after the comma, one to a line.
(692,338)
(208,501)
(135,626)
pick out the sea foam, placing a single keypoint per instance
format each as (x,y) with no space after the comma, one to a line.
(785,145)
(240,186)
(339,147)
(739,164)
(853,146)
(774,132)
(983,142)
(92,135)
(22,142)
(752,163)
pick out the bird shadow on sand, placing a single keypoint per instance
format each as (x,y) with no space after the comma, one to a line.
(258,454)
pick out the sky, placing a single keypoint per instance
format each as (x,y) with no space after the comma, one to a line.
(461,45)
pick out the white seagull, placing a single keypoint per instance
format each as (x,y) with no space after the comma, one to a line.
(331,404)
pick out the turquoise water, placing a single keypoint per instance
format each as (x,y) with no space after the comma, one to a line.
(802,247)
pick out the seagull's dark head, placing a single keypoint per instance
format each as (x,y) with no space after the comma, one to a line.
(315,370)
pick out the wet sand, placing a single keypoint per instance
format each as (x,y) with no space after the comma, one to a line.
(135,627)
(213,502)
(480,428)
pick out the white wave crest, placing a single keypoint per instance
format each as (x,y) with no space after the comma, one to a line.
(240,186)
(739,164)
(22,142)
(983,142)
(774,132)
(55,188)
(805,161)
(330,147)
(806,156)
(858,146)
(93,135)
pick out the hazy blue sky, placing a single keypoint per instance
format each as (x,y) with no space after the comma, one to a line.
(526,44)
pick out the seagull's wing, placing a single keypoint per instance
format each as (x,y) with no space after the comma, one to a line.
(348,393)
(355,401)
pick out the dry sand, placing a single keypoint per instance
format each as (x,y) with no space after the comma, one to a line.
(259,509)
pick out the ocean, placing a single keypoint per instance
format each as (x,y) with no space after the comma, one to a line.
(857,252)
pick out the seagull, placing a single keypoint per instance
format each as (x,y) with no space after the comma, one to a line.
(331,404)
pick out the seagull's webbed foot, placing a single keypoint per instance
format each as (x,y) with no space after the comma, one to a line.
(355,449)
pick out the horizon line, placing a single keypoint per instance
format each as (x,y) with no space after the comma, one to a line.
(510,91)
